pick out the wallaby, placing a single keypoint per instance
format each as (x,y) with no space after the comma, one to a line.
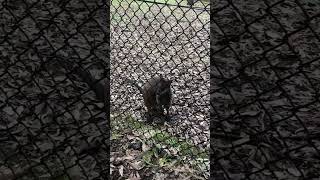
(156,95)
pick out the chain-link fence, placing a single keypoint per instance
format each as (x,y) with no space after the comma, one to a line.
(265,89)
(52,126)
(149,39)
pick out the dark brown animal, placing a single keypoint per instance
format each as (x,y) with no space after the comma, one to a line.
(156,94)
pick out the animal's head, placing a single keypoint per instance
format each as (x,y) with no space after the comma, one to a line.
(163,86)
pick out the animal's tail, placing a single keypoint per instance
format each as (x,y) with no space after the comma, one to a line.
(134,83)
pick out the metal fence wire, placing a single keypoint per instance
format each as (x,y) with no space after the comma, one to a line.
(265,59)
(52,55)
(263,97)
(149,39)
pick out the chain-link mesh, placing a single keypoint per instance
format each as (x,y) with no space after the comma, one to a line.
(265,81)
(52,126)
(264,89)
(149,39)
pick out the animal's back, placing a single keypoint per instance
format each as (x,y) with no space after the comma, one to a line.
(149,93)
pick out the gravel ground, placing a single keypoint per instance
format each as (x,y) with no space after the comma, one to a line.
(171,44)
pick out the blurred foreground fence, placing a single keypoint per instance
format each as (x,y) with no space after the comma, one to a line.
(265,59)
(51,124)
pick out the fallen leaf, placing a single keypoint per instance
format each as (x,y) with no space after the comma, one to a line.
(134,176)
(137,165)
(121,170)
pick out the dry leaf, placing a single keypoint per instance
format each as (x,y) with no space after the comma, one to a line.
(121,170)
(134,176)
(145,147)
(137,165)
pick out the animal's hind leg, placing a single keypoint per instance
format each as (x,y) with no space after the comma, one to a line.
(149,117)
(150,114)
(160,110)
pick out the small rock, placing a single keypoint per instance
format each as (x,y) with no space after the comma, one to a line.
(136,145)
